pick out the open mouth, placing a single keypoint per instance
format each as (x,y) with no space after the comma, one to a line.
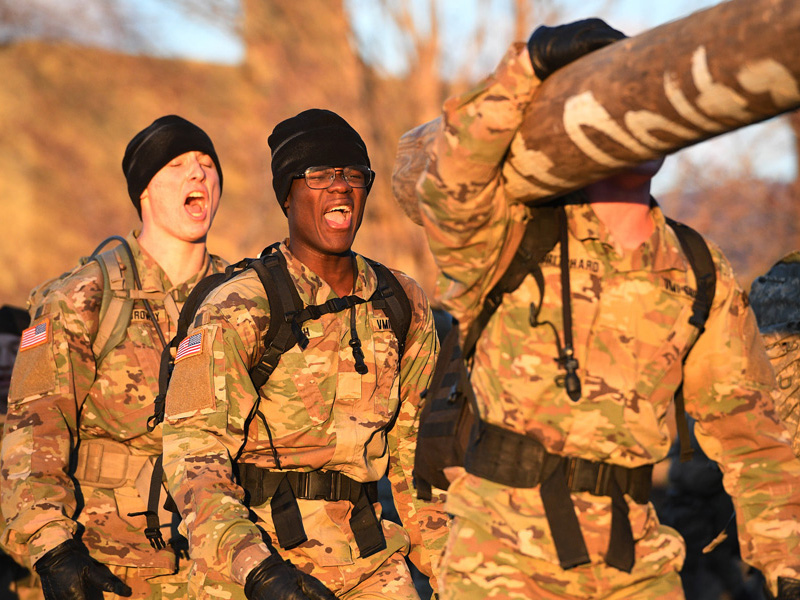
(338,217)
(195,204)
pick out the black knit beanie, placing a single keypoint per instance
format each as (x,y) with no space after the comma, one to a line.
(13,320)
(152,148)
(315,137)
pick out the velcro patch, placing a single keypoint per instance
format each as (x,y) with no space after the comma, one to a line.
(35,370)
(191,384)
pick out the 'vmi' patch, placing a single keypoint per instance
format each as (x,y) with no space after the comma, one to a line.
(380,323)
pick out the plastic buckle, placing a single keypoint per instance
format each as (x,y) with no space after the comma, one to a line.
(156,539)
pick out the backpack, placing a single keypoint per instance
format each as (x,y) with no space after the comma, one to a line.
(287,315)
(449,418)
(121,288)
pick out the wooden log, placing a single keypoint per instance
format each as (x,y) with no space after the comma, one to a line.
(668,88)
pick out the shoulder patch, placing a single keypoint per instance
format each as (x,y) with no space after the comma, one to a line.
(35,335)
(191,388)
(35,371)
(191,346)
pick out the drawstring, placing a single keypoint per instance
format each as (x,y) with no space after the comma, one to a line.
(566,354)
(355,344)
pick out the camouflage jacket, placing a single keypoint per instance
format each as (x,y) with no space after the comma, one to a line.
(70,417)
(631,331)
(319,413)
(775,298)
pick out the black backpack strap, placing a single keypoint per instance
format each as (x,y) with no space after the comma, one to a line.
(541,235)
(185,320)
(284,304)
(391,298)
(702,263)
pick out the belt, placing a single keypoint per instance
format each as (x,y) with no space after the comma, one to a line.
(517,460)
(283,488)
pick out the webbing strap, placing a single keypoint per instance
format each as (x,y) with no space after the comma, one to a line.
(560,513)
(517,460)
(539,238)
(153,529)
(702,263)
(283,488)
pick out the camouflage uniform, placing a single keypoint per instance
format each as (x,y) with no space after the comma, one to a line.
(321,414)
(776,302)
(630,312)
(58,397)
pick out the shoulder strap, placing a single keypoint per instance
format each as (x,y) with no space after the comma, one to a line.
(392,299)
(705,273)
(120,276)
(185,319)
(283,331)
(540,237)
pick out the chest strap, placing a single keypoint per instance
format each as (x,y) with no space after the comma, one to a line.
(517,460)
(283,488)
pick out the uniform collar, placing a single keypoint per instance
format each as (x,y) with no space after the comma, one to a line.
(154,278)
(314,290)
(660,252)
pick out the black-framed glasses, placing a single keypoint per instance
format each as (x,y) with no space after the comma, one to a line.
(320,178)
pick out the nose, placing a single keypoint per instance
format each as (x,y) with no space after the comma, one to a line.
(196,169)
(338,180)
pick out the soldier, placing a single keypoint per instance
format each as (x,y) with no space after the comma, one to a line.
(13,321)
(77,452)
(277,485)
(574,389)
(775,297)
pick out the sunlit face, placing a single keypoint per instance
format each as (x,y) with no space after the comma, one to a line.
(182,198)
(9,344)
(324,222)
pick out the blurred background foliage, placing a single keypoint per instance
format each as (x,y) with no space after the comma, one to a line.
(81,78)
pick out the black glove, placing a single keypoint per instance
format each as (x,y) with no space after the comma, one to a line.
(551,48)
(69,573)
(788,589)
(276,579)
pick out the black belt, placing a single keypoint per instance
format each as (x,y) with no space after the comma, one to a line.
(516,460)
(282,488)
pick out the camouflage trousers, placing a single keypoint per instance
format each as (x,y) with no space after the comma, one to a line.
(391,581)
(152,583)
(477,565)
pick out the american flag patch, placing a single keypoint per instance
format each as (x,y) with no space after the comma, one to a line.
(191,346)
(34,336)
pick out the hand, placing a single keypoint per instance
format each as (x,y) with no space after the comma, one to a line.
(276,579)
(69,573)
(551,48)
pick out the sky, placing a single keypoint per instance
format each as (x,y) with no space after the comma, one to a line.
(769,147)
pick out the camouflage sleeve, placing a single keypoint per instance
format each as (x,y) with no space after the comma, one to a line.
(210,395)
(727,384)
(51,378)
(783,350)
(463,204)
(425,522)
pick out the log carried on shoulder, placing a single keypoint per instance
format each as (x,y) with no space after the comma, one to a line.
(668,88)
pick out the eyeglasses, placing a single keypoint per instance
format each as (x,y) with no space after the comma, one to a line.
(320,178)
